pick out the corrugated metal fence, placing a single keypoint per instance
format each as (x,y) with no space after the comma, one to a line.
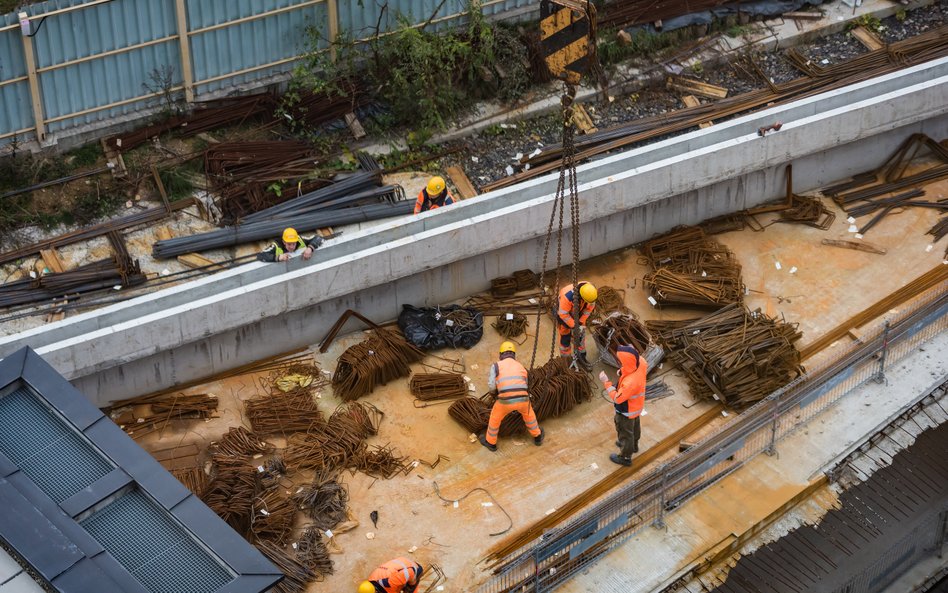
(80,63)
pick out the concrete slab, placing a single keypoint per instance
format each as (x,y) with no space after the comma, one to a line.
(829,286)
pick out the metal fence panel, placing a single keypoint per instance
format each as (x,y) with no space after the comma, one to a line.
(15,108)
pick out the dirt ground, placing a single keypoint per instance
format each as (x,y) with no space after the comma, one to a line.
(814,285)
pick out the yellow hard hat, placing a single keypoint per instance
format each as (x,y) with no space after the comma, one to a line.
(435,186)
(508,347)
(588,292)
(366,587)
(290,235)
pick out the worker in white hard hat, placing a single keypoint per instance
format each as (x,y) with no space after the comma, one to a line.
(508,379)
(566,323)
(433,196)
(281,249)
(400,575)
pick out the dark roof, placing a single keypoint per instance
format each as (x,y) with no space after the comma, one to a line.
(91,511)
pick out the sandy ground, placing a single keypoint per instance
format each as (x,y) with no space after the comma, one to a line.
(828,286)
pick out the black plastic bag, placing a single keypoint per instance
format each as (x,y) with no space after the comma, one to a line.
(441,327)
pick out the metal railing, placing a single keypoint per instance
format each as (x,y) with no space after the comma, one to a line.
(561,552)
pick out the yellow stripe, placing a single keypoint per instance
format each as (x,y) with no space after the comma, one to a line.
(557,21)
(559,60)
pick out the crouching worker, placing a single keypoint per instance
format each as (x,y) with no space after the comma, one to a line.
(628,399)
(290,242)
(400,575)
(508,379)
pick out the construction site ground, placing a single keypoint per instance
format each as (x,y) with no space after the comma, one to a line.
(787,272)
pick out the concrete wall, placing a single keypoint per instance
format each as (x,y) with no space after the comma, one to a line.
(259,310)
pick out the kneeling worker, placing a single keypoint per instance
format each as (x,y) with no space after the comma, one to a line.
(508,379)
(289,243)
(434,196)
(628,399)
(400,575)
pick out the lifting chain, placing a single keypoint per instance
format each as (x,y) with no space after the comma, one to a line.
(566,183)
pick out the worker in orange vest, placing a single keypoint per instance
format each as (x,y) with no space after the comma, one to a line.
(433,196)
(400,575)
(508,379)
(565,322)
(628,399)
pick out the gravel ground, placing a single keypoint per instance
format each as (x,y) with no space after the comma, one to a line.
(915,22)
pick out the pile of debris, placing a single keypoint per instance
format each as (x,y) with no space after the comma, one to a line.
(733,355)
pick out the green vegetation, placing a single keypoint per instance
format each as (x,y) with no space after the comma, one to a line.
(868,21)
(901,15)
(643,44)
(425,79)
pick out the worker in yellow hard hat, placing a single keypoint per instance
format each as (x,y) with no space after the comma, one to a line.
(290,242)
(508,379)
(400,575)
(565,322)
(434,195)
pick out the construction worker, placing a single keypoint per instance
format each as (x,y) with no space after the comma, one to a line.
(508,379)
(289,243)
(400,575)
(565,322)
(628,399)
(435,195)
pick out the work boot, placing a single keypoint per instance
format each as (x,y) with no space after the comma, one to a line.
(483,439)
(619,444)
(587,366)
(616,458)
(538,440)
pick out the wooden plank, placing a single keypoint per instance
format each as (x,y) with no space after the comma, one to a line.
(193,260)
(52,260)
(114,158)
(355,126)
(867,38)
(161,188)
(692,101)
(326,232)
(696,87)
(583,121)
(163,233)
(461,181)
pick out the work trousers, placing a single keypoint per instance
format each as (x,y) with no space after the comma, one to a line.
(628,430)
(566,339)
(500,411)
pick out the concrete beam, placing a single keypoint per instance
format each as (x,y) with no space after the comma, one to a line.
(232,318)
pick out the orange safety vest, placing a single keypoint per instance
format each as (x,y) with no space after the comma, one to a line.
(565,311)
(424,202)
(629,398)
(395,574)
(511,381)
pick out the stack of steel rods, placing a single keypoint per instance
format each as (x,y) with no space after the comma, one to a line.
(324,500)
(272,516)
(334,444)
(733,355)
(526,280)
(84,279)
(284,413)
(437,386)
(311,552)
(809,211)
(511,325)
(470,412)
(231,492)
(620,329)
(690,268)
(519,303)
(610,301)
(375,361)
(163,410)
(298,574)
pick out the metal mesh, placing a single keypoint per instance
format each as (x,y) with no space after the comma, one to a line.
(52,454)
(153,548)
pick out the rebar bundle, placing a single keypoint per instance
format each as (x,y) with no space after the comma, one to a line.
(272,516)
(324,500)
(809,211)
(470,412)
(526,280)
(377,360)
(437,386)
(284,413)
(519,303)
(334,444)
(511,325)
(162,410)
(378,462)
(611,301)
(231,492)
(690,268)
(733,355)
(311,552)
(503,286)
(298,574)
(86,278)
(619,329)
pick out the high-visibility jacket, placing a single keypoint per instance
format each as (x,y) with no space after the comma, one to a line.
(395,576)
(426,202)
(509,378)
(629,397)
(273,251)
(565,311)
